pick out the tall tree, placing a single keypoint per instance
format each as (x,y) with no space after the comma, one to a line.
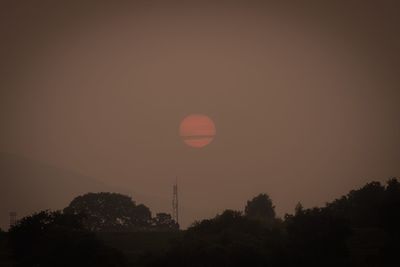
(260,208)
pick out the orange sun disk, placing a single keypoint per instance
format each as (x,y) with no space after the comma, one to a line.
(197,130)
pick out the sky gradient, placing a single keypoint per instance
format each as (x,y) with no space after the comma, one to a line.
(305,98)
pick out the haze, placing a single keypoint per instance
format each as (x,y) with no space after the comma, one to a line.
(306,105)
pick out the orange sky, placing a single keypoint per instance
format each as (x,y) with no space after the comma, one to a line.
(305,98)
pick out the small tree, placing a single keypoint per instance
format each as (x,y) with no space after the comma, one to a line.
(298,209)
(164,221)
(260,208)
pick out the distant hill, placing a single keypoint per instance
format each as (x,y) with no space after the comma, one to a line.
(27,186)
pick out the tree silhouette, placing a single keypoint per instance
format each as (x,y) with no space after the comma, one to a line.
(56,239)
(164,221)
(109,212)
(229,239)
(298,209)
(358,229)
(390,210)
(316,238)
(260,208)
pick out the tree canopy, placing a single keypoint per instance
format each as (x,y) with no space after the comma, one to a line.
(260,208)
(164,221)
(109,212)
(57,239)
(229,239)
(112,212)
(357,229)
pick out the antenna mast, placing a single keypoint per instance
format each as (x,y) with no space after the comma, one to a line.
(175,209)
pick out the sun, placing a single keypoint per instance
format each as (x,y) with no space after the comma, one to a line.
(197,130)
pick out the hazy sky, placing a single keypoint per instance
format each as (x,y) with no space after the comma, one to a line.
(305,98)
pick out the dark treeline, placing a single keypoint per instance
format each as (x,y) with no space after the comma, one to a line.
(110,212)
(361,228)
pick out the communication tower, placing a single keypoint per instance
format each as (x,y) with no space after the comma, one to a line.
(175,207)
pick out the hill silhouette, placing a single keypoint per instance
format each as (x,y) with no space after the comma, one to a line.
(28,186)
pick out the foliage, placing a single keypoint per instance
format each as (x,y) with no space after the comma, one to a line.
(57,239)
(315,237)
(358,229)
(109,212)
(164,221)
(230,239)
(260,208)
(373,210)
(141,247)
(112,212)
